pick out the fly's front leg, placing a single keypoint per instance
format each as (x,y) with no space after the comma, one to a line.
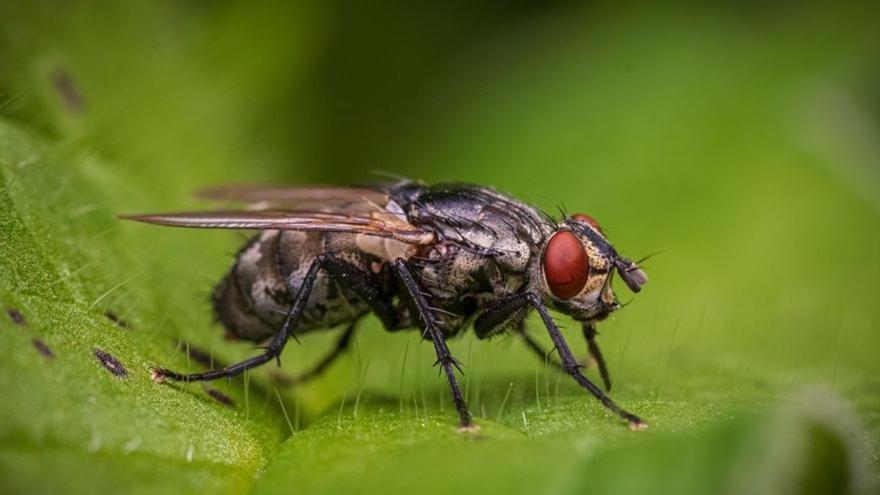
(502,310)
(431,330)
(593,348)
(574,369)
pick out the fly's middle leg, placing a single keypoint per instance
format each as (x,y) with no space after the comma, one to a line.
(431,330)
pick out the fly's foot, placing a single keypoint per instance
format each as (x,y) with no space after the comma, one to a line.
(158,374)
(469,428)
(638,425)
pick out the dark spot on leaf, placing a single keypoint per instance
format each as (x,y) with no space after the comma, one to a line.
(220,397)
(16,316)
(68,91)
(42,348)
(117,320)
(111,363)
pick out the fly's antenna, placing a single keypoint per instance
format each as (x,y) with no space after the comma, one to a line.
(646,258)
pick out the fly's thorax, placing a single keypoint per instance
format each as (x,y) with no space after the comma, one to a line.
(479,219)
(447,270)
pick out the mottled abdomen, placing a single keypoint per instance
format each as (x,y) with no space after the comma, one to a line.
(254,297)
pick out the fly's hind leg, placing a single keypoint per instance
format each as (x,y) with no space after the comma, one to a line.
(272,351)
(360,283)
(347,275)
(431,330)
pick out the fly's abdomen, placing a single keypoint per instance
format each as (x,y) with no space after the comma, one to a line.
(255,296)
(251,300)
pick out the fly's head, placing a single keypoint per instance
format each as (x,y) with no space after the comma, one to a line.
(577,265)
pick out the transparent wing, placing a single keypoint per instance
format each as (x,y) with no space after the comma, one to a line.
(294,198)
(379,223)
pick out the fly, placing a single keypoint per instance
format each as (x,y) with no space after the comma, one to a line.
(438,258)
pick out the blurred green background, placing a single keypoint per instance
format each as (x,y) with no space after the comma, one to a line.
(741,140)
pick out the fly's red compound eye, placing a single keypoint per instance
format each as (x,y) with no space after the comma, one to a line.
(587,219)
(566,265)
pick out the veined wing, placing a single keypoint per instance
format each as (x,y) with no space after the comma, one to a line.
(378,224)
(322,198)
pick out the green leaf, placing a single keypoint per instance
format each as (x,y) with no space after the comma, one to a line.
(741,144)
(807,447)
(59,283)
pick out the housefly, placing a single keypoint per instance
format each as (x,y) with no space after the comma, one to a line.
(439,258)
